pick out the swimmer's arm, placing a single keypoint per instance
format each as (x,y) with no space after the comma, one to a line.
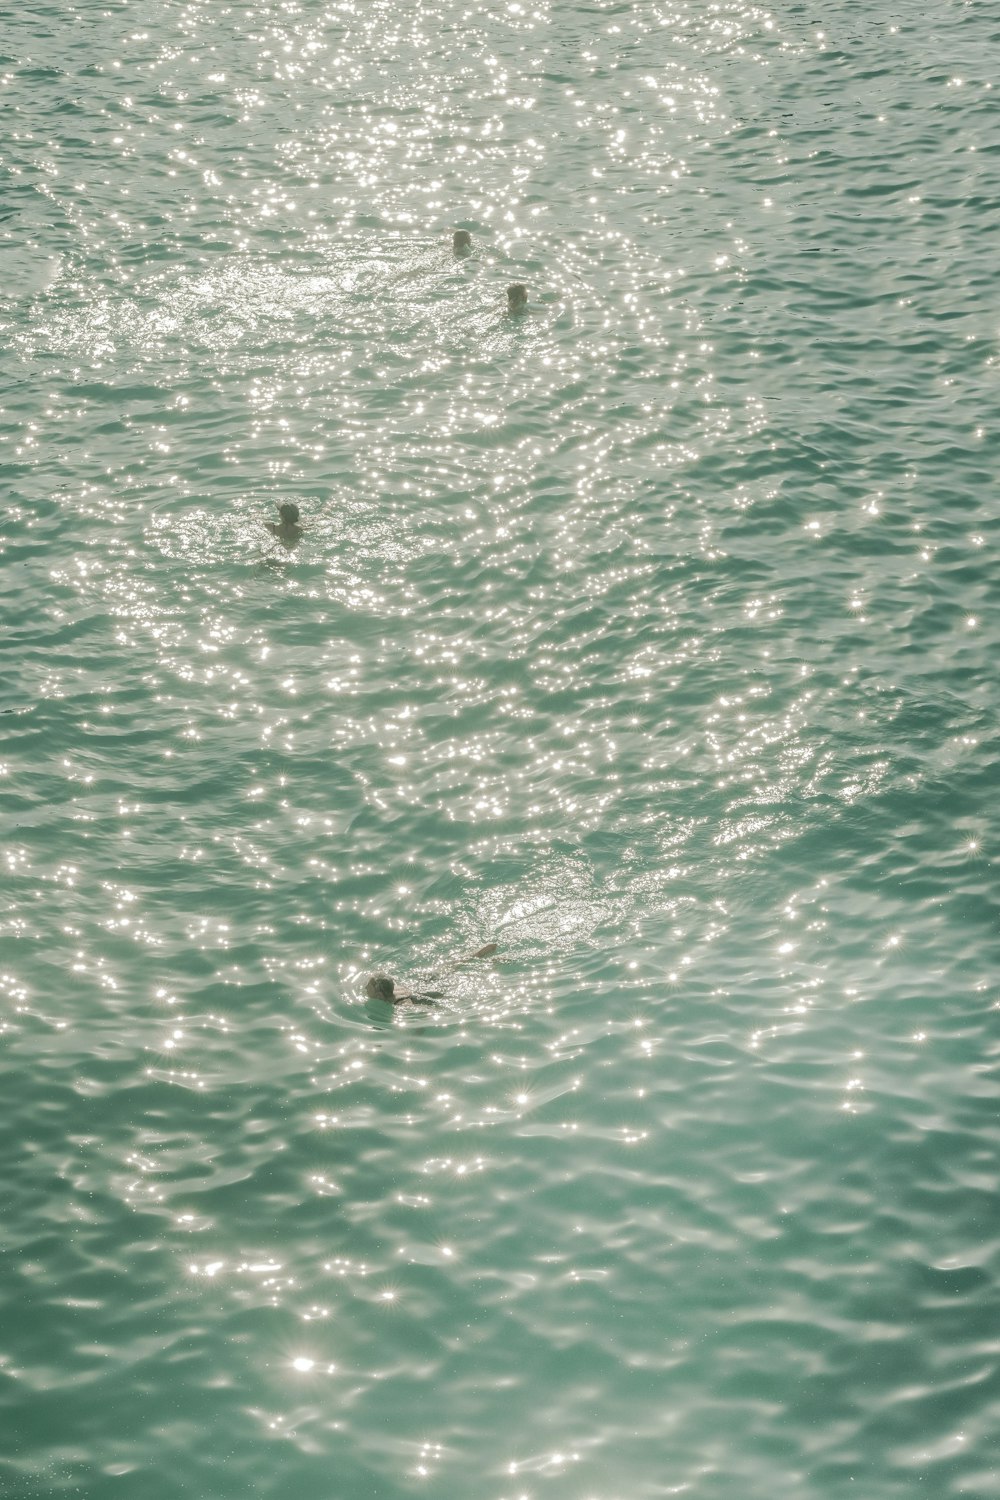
(486,951)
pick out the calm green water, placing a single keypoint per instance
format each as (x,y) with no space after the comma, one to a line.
(651,635)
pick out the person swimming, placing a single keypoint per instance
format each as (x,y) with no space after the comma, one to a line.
(287,530)
(461,242)
(517,298)
(382,987)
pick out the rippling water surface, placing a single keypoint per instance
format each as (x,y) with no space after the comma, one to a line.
(651,635)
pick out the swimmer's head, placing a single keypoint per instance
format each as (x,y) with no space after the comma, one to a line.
(461,241)
(289,512)
(380,987)
(517,298)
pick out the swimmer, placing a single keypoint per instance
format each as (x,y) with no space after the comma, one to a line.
(381,987)
(287,530)
(517,298)
(461,242)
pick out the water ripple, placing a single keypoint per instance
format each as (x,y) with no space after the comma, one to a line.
(648,636)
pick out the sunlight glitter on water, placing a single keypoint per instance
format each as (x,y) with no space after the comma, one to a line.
(647,635)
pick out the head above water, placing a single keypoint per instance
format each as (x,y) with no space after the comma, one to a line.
(380,987)
(461,241)
(517,297)
(289,512)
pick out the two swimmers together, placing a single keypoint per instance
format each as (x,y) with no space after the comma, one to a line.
(517,295)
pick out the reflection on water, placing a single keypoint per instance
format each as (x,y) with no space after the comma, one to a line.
(646,636)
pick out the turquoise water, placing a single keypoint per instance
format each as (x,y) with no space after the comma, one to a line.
(650,635)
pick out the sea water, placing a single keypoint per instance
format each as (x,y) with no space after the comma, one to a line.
(650,635)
